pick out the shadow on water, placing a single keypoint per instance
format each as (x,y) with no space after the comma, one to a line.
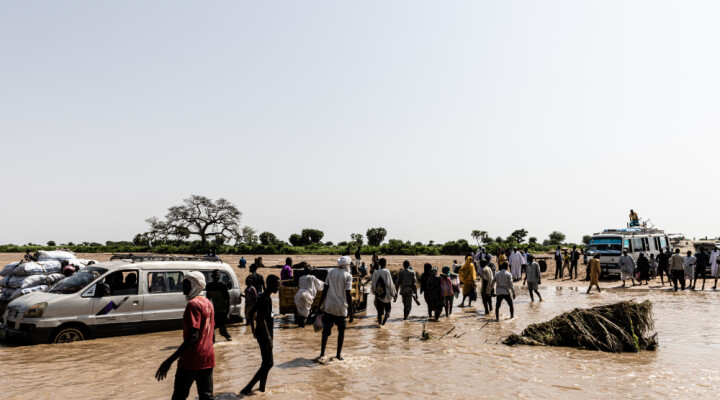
(297,362)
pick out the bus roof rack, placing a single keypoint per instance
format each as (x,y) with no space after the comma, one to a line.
(632,231)
(161,257)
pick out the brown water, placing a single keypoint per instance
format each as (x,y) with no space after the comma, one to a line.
(392,361)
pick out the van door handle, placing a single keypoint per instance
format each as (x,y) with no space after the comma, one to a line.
(136,303)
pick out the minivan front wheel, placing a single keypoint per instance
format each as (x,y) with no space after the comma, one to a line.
(68,334)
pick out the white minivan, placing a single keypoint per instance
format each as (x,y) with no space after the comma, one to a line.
(133,295)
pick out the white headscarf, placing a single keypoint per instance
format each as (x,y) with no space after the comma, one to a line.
(197,280)
(345,261)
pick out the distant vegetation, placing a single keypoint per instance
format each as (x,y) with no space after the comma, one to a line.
(216,224)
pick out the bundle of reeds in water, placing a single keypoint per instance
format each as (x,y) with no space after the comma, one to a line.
(621,327)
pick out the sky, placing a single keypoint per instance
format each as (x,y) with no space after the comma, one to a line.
(430,119)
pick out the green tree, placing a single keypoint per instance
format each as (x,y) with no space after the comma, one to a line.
(479,236)
(458,247)
(375,236)
(357,238)
(51,243)
(519,235)
(586,239)
(556,238)
(141,239)
(218,241)
(311,236)
(268,239)
(200,216)
(296,239)
(247,235)
(499,239)
(532,240)
(488,240)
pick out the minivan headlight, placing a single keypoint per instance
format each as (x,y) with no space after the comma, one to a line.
(36,311)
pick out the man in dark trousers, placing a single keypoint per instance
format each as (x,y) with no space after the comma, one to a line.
(196,353)
(700,267)
(574,258)
(217,293)
(663,260)
(407,288)
(358,257)
(261,323)
(676,269)
(558,263)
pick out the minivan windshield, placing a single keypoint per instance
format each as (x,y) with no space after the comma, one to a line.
(604,244)
(78,281)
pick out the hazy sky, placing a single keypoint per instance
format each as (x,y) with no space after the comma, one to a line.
(430,119)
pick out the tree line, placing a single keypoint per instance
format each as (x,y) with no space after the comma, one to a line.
(215,227)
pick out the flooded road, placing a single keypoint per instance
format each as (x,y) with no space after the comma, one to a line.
(392,361)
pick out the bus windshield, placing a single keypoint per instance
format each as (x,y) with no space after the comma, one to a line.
(612,244)
(78,281)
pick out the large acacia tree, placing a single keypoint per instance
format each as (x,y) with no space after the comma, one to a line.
(200,216)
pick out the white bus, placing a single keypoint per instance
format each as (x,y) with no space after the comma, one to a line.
(610,243)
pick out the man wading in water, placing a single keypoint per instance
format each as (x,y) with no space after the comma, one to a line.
(533,277)
(503,287)
(676,269)
(196,353)
(384,291)
(407,286)
(595,271)
(261,323)
(627,268)
(217,292)
(337,302)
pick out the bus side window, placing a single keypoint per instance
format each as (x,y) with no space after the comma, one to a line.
(626,244)
(637,245)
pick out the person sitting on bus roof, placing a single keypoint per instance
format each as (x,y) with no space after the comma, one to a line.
(634,220)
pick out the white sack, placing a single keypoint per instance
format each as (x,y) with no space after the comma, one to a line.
(53,278)
(8,270)
(23,292)
(32,281)
(57,255)
(37,268)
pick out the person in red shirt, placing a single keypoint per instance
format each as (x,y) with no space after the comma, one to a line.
(196,353)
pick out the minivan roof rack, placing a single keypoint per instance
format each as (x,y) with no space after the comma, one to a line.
(161,257)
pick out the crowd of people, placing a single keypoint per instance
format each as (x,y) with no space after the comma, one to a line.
(478,275)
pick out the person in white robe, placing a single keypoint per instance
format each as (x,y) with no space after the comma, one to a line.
(627,268)
(516,261)
(714,265)
(308,286)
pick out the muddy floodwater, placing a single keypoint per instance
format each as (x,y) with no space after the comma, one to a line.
(392,361)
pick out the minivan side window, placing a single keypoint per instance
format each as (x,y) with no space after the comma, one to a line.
(165,282)
(224,278)
(122,282)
